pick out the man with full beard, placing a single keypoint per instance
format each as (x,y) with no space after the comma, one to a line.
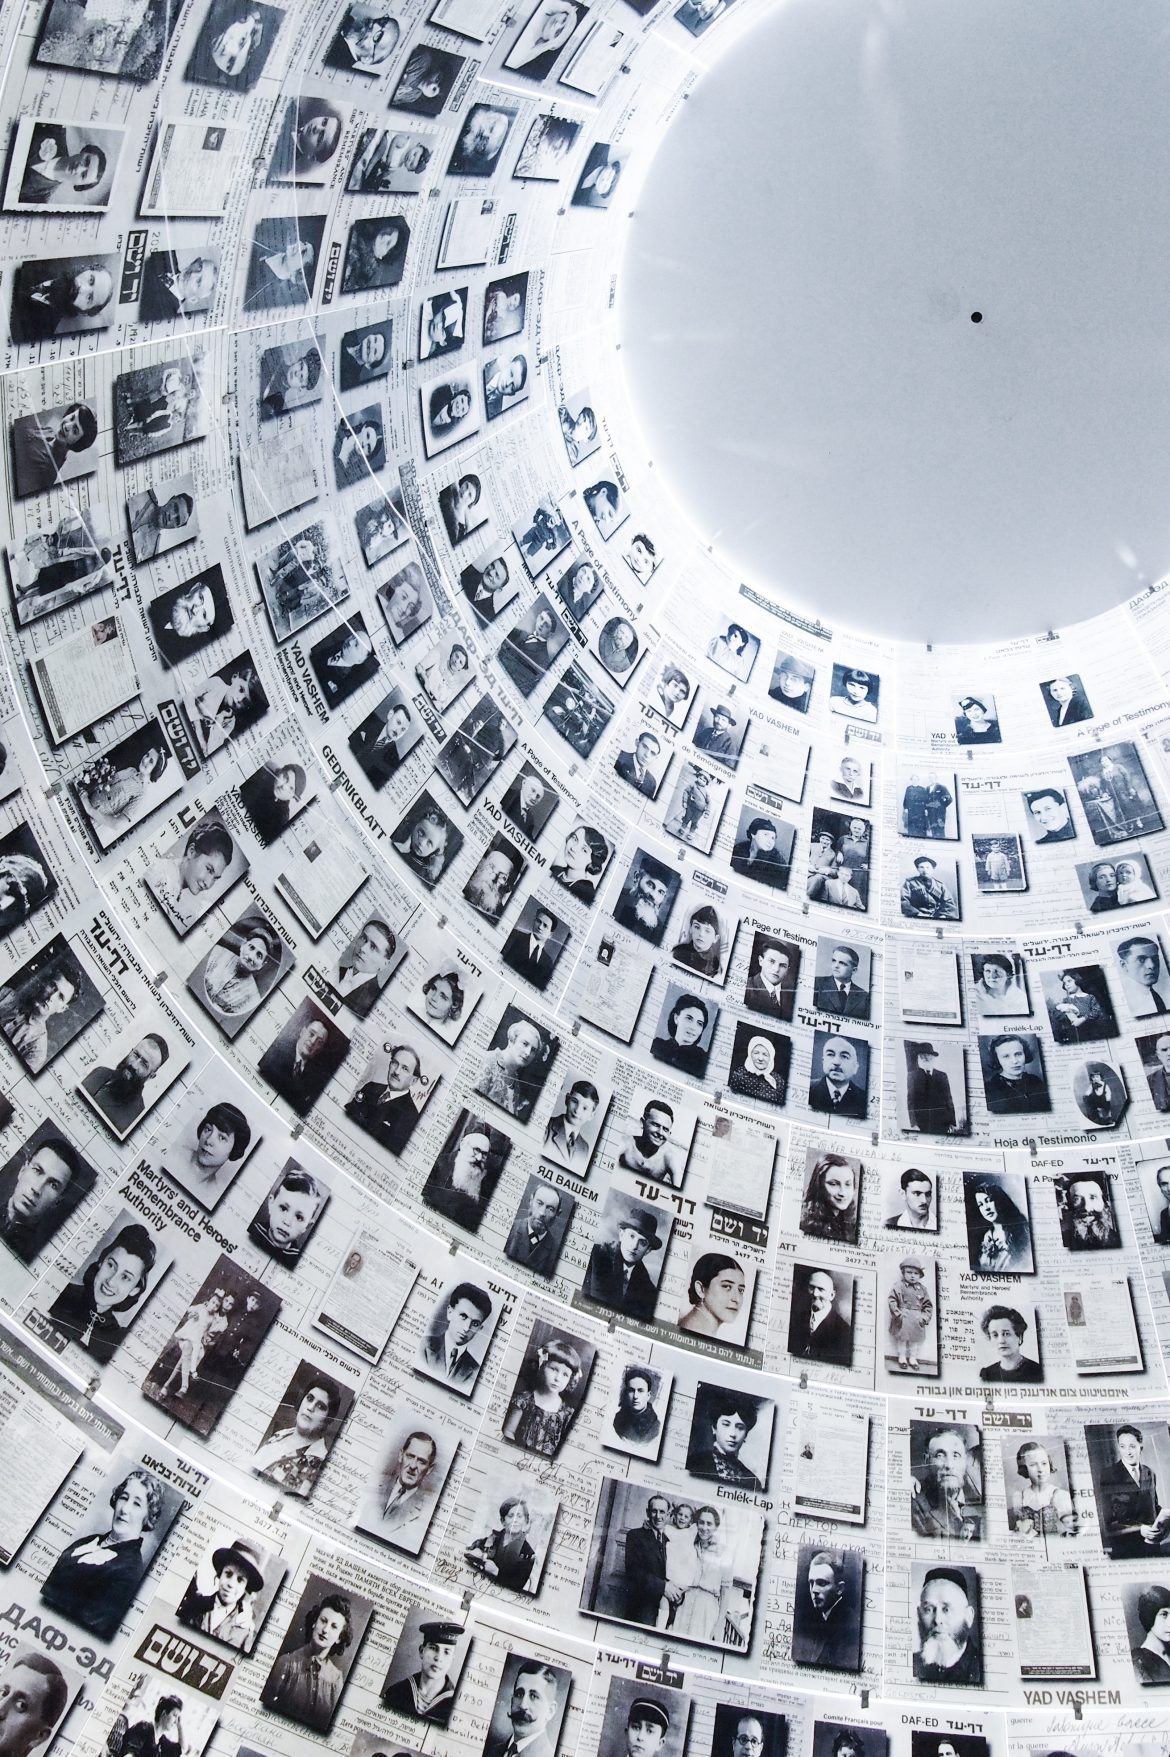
(118,1092)
(1087,1220)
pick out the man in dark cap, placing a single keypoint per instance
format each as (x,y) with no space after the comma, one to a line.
(716,738)
(645,903)
(428,1694)
(948,1651)
(616,1277)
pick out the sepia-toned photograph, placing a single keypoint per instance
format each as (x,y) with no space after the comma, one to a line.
(231,1591)
(425,1670)
(95,1578)
(303,1430)
(212,1346)
(317,1654)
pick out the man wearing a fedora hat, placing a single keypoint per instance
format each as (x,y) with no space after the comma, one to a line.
(616,1276)
(716,738)
(227,1611)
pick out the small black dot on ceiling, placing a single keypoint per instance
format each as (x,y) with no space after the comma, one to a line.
(977,317)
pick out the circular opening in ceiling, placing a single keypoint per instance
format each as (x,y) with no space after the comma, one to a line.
(797,312)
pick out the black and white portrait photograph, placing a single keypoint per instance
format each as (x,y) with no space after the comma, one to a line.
(61,296)
(534,946)
(839,1083)
(481,140)
(928,804)
(542,37)
(41,1185)
(658,1135)
(1035,1474)
(1014,1081)
(405,601)
(46,1003)
(773,969)
(390,161)
(364,40)
(539,1226)
(359,446)
(129,44)
(840,850)
(391,1092)
(999,864)
(626,1261)
(233,44)
(730,1436)
(792,682)
(1078,1002)
(489,584)
(582,861)
(95,1577)
(235,977)
(441,323)
(976,719)
(706,935)
(317,1654)
(425,1670)
(541,535)
(547,146)
(999,1229)
(449,412)
(375,254)
(231,1591)
(363,354)
(344,660)
(1114,794)
(685,1566)
(306,142)
(734,648)
(463,508)
(830,1203)
(1155,1054)
(759,1064)
(226,704)
(62,166)
(26,878)
(427,840)
(694,810)
(426,81)
(446,995)
(511,1529)
(191,615)
(529,1711)
(842,978)
(946,1626)
(289,377)
(934,1099)
(458,1335)
(1100,1094)
(1065,700)
(1085,1208)
(930,889)
(948,1744)
(1147,1620)
(854,694)
(415,1456)
(505,307)
(209,1141)
(1130,1463)
(49,570)
(300,579)
(196,872)
(910,1200)
(999,984)
(53,446)
(1007,1344)
(642,1718)
(529,800)
(946,1485)
(109,1288)
(371,955)
(304,1056)
(636,1411)
(740,1728)
(1145,981)
(1048,816)
(199,1369)
(852,780)
(505,384)
(908,1300)
(286,1219)
(519,1058)
(606,506)
(302,1430)
(283,262)
(578,710)
(179,284)
(467,1168)
(549,1389)
(157,407)
(579,589)
(641,761)
(276,794)
(473,753)
(619,649)
(646,900)
(720,732)
(828,1603)
(600,174)
(685,1031)
(1117,884)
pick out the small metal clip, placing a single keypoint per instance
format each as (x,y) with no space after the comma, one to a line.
(277,1510)
(719,1096)
(576,1027)
(93,1385)
(865,1693)
(467,1601)
(804,1380)
(157,981)
(873,1139)
(297,1130)
(452,1246)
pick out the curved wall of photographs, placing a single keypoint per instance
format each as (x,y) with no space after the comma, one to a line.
(580,1172)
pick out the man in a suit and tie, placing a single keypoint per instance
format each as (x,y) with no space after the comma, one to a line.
(522,803)
(446,1355)
(1134,1520)
(771,987)
(816,1329)
(634,765)
(299,1067)
(404,1500)
(1143,977)
(616,1277)
(526,655)
(530,952)
(532,1240)
(532,1708)
(386,1109)
(54,176)
(838,1091)
(838,993)
(565,1139)
(645,1581)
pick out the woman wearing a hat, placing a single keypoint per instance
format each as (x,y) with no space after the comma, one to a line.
(227,1611)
